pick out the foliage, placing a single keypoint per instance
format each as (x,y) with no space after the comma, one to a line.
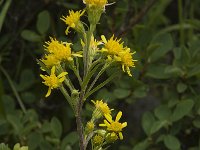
(161,102)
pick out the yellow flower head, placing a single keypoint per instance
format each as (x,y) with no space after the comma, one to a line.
(52,45)
(102,107)
(53,81)
(114,125)
(95,3)
(90,126)
(126,59)
(72,20)
(50,60)
(59,51)
(111,137)
(98,139)
(112,46)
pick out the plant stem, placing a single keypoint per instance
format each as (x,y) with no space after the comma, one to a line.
(79,122)
(14,89)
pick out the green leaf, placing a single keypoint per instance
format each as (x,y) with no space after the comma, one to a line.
(171,142)
(157,125)
(31,36)
(166,44)
(194,71)
(121,93)
(182,109)
(70,139)
(105,94)
(162,112)
(27,79)
(15,122)
(28,97)
(147,122)
(140,92)
(34,140)
(157,71)
(196,123)
(181,87)
(142,145)
(56,127)
(43,22)
(44,145)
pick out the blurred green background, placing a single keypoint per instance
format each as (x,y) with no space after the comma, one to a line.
(161,103)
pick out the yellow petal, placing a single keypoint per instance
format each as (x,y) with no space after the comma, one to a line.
(62,74)
(102,125)
(124,124)
(103,39)
(77,55)
(108,117)
(48,93)
(106,123)
(53,69)
(120,136)
(129,72)
(119,115)
(43,77)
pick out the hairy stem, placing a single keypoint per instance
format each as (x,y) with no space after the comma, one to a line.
(79,122)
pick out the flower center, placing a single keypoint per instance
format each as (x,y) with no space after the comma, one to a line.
(115,126)
(52,81)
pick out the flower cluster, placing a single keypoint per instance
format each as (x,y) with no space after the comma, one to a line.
(108,131)
(53,81)
(115,49)
(95,57)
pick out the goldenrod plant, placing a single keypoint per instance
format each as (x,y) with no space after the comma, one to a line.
(60,60)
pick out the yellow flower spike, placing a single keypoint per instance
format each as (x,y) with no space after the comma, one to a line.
(58,51)
(52,45)
(126,59)
(89,126)
(50,60)
(114,126)
(102,107)
(53,81)
(95,3)
(98,139)
(73,20)
(112,46)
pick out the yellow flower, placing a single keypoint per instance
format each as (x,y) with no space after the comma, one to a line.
(50,60)
(53,81)
(98,139)
(102,107)
(126,59)
(112,46)
(73,20)
(52,45)
(59,51)
(95,3)
(111,137)
(114,126)
(90,126)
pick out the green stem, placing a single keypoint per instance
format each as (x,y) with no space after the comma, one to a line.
(97,77)
(14,89)
(3,12)
(66,95)
(180,14)
(91,72)
(76,72)
(87,50)
(101,85)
